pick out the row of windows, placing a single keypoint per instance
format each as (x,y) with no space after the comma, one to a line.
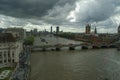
(7,44)
(6,60)
(7,53)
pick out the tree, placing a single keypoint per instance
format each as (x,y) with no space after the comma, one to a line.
(29,40)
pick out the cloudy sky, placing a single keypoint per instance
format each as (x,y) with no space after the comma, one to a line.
(70,15)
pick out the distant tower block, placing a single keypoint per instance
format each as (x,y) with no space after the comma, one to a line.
(119,29)
(95,30)
(51,29)
(88,29)
(57,29)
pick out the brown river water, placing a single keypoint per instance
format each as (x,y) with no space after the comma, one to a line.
(98,64)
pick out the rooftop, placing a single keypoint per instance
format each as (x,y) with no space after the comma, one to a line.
(6,37)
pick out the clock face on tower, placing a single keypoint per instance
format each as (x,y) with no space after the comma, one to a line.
(119,29)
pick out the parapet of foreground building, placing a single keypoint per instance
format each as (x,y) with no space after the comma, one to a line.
(9,49)
(18,33)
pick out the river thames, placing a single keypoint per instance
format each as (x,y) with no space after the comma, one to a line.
(97,64)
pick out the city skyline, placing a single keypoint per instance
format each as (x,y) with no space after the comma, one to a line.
(72,14)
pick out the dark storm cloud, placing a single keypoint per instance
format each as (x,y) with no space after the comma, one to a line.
(58,14)
(84,11)
(63,2)
(26,8)
(92,10)
(75,13)
(96,10)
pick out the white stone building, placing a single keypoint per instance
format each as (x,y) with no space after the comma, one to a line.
(9,49)
(17,32)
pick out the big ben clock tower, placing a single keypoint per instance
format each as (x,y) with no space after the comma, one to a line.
(119,29)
